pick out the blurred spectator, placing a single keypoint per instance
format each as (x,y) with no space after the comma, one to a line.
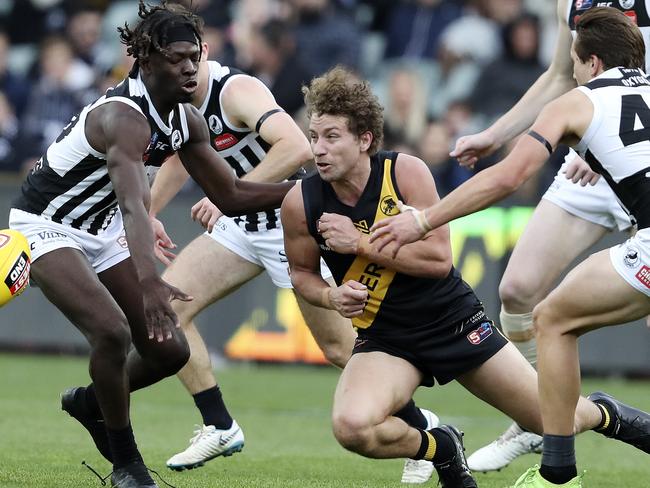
(274,61)
(56,97)
(83,31)
(474,36)
(405,114)
(9,149)
(15,87)
(116,73)
(29,21)
(325,37)
(413,28)
(503,82)
(434,149)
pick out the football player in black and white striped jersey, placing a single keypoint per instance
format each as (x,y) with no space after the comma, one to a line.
(607,120)
(90,186)
(261,143)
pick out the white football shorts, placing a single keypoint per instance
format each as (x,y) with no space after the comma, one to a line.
(103,251)
(596,204)
(264,248)
(632,260)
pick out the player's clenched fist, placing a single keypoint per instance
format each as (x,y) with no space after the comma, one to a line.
(349,299)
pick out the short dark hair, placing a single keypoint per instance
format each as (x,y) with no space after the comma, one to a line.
(151,31)
(609,34)
(340,92)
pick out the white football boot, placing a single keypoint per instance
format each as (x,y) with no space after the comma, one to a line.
(208,443)
(418,471)
(513,443)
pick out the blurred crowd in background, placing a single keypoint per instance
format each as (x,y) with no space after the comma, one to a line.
(441,68)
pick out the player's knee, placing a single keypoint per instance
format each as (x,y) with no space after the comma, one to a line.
(111,340)
(353,431)
(517,293)
(546,320)
(168,356)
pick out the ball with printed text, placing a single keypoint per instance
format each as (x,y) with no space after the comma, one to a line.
(15,262)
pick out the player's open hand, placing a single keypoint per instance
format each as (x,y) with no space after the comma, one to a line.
(578,171)
(162,242)
(349,299)
(206,213)
(160,318)
(469,149)
(339,232)
(392,233)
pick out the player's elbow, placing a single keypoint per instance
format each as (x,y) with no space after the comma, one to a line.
(437,267)
(509,183)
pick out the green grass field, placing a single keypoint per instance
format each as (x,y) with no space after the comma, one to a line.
(284,412)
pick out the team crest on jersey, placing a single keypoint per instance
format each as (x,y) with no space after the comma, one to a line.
(583,4)
(626,3)
(479,335)
(388,206)
(177,140)
(215,124)
(631,257)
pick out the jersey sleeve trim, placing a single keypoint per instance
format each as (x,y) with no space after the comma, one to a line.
(596,121)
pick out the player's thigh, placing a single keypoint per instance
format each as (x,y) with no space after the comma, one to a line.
(508,382)
(373,386)
(208,271)
(67,279)
(591,296)
(552,239)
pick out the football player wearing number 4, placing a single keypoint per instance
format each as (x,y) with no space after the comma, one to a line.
(607,120)
(418,322)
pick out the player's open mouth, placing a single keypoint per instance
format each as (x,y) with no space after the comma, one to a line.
(190,85)
(322,165)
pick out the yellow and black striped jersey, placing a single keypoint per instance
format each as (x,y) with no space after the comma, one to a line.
(395,300)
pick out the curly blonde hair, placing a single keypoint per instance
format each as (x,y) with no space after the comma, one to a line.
(340,92)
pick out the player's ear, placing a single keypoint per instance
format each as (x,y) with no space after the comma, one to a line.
(365,140)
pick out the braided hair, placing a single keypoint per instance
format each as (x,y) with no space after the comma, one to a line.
(152,30)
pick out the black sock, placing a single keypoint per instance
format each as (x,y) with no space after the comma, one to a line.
(607,424)
(91,401)
(436,446)
(123,446)
(558,459)
(213,410)
(412,415)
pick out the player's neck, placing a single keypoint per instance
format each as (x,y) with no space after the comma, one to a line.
(350,188)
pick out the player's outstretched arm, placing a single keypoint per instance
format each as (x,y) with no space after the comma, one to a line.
(123,133)
(554,82)
(303,254)
(565,118)
(232,195)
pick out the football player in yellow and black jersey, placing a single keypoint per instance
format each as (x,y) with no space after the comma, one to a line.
(417,321)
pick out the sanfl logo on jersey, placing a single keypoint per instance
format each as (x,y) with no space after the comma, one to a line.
(215,124)
(583,4)
(626,3)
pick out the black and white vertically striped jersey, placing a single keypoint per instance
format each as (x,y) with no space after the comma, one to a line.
(242,148)
(70,183)
(617,142)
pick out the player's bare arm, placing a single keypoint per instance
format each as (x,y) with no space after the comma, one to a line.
(123,134)
(430,257)
(247,102)
(232,195)
(564,119)
(554,82)
(303,254)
